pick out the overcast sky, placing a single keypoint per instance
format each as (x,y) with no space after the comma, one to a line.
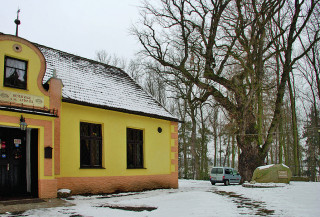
(80,27)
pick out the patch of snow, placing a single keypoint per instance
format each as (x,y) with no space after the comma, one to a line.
(264,185)
(198,198)
(270,165)
(68,191)
(265,167)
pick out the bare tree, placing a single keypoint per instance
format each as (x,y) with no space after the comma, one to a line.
(113,60)
(234,43)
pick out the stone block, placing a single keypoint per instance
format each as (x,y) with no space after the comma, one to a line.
(276,173)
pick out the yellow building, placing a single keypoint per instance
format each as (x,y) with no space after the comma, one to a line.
(90,127)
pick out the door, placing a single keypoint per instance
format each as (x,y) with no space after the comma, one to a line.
(236,177)
(12,162)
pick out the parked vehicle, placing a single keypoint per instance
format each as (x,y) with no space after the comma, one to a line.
(226,175)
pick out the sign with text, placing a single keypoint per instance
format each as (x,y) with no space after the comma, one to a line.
(21,98)
(17,141)
(283,174)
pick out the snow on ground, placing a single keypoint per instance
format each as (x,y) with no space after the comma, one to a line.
(200,199)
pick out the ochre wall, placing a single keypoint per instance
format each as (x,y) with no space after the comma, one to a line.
(114,124)
(160,152)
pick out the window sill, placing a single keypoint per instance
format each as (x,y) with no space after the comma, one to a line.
(13,87)
(136,168)
(92,168)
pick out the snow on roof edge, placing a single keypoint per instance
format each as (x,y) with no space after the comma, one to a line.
(168,116)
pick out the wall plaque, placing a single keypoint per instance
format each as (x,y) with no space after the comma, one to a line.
(283,174)
(20,98)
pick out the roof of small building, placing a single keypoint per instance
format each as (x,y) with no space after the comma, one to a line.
(91,83)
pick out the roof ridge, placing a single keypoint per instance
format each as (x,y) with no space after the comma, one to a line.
(77,56)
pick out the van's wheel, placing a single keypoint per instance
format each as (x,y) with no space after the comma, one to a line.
(213,183)
(226,182)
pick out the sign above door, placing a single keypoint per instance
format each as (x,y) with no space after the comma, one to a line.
(20,98)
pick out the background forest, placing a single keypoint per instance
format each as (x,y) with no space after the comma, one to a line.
(241,76)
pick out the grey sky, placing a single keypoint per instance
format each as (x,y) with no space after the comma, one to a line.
(79,27)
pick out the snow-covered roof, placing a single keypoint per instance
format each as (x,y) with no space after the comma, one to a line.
(91,83)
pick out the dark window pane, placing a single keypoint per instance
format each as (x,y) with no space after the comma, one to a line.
(134,148)
(140,136)
(95,153)
(91,145)
(84,129)
(130,163)
(85,153)
(139,156)
(15,74)
(97,130)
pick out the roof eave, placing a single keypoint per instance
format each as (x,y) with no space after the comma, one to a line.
(72,101)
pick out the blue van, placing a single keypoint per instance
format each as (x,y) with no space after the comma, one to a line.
(226,175)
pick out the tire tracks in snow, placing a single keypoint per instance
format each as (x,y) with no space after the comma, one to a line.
(255,207)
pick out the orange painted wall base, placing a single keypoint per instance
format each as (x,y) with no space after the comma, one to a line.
(98,185)
(47,188)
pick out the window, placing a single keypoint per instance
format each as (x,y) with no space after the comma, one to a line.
(217,171)
(228,171)
(134,148)
(90,145)
(15,73)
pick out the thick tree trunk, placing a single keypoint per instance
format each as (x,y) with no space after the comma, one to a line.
(249,160)
(250,157)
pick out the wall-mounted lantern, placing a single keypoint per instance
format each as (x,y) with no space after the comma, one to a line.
(23,124)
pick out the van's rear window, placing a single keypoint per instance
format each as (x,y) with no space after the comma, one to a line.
(217,170)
